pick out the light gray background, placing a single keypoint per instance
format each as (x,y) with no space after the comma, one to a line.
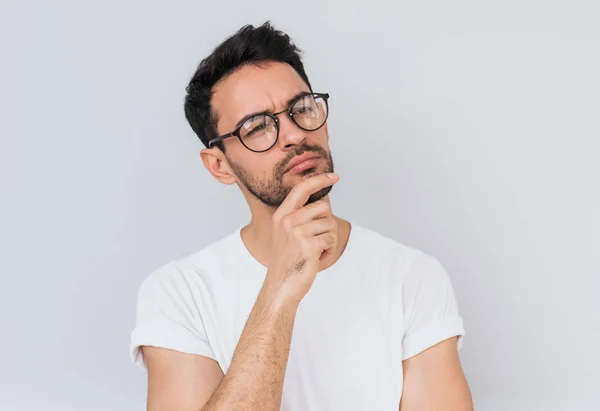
(468,129)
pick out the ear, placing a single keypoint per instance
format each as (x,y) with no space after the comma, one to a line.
(215,162)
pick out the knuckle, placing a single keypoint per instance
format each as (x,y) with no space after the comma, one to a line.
(332,224)
(333,238)
(329,239)
(321,206)
(297,231)
(287,223)
(304,243)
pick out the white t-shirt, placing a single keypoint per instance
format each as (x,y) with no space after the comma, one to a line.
(379,304)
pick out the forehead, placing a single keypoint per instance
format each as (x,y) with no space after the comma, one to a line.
(254,88)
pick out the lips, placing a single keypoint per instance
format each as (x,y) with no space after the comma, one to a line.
(300,159)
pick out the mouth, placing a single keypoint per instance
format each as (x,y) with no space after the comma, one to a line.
(303,162)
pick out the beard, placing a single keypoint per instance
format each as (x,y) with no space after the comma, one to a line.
(272,191)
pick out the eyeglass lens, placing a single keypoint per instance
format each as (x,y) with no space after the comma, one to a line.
(260,132)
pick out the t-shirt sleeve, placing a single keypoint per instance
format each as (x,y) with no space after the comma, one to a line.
(429,305)
(167,316)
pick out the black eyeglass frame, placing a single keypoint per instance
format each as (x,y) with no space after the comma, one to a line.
(236,132)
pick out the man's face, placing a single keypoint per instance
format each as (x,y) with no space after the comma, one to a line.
(268,87)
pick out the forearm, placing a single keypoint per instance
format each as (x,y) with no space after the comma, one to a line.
(254,381)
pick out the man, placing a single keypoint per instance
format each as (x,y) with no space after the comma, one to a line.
(300,309)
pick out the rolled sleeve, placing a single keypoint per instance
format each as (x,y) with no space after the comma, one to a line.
(430,308)
(167,316)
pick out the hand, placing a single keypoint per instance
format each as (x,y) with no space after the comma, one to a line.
(302,237)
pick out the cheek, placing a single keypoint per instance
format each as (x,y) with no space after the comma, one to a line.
(262,165)
(321,137)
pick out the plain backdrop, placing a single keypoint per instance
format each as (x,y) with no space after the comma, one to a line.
(468,129)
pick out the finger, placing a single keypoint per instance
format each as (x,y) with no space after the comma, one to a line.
(306,214)
(325,242)
(301,192)
(318,227)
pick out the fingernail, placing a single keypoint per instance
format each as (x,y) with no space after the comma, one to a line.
(332,175)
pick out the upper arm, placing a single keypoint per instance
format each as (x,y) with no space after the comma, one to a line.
(433,330)
(434,380)
(179,381)
(430,309)
(170,341)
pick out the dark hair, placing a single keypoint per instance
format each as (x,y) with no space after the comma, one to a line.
(249,45)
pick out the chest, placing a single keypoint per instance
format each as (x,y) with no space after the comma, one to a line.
(345,350)
(343,354)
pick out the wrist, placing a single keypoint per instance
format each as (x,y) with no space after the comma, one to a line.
(278,296)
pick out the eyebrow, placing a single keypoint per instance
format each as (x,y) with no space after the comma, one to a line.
(289,102)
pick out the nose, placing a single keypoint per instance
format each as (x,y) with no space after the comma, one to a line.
(290,134)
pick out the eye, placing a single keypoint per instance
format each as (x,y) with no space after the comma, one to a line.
(303,110)
(256,129)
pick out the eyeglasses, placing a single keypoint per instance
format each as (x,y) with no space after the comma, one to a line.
(260,132)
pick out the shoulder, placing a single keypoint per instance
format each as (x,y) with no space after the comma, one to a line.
(398,257)
(189,270)
(384,246)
